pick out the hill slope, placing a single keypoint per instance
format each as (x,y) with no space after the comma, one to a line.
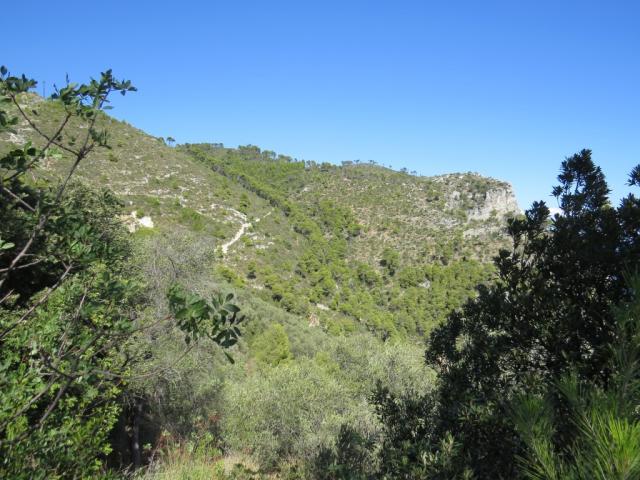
(345,247)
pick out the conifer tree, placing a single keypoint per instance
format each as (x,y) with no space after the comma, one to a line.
(549,313)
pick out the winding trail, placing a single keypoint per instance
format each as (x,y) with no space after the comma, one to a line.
(236,237)
(241,232)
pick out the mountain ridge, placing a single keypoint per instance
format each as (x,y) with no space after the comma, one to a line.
(373,245)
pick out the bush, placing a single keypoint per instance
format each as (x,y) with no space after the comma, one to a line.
(230,275)
(284,412)
(292,410)
(272,346)
(351,458)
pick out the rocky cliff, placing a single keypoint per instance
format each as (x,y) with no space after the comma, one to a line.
(499,201)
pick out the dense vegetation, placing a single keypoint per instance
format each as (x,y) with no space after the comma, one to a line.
(345,265)
(550,317)
(122,348)
(71,302)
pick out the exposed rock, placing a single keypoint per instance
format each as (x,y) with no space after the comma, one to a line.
(133,223)
(16,138)
(314,321)
(146,222)
(497,202)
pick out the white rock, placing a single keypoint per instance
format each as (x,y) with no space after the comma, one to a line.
(146,222)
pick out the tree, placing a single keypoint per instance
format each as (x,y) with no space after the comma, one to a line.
(272,347)
(607,443)
(549,313)
(70,303)
(390,261)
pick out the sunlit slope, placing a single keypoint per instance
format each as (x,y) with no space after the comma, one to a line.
(342,248)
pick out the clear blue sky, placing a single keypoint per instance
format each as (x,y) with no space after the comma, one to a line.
(507,89)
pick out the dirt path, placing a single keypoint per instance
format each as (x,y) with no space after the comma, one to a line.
(243,228)
(236,237)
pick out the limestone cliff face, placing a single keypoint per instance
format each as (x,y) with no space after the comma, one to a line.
(498,201)
(478,198)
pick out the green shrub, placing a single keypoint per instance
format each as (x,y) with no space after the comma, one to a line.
(230,275)
(351,458)
(192,219)
(284,412)
(272,346)
(196,458)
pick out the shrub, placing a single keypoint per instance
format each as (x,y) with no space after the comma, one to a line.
(284,412)
(272,346)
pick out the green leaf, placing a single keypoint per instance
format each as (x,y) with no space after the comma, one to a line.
(6,245)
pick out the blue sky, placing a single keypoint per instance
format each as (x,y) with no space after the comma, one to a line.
(506,89)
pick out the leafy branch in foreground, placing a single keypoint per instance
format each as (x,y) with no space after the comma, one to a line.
(67,297)
(81,101)
(217,319)
(71,303)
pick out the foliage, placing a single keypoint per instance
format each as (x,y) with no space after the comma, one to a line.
(390,261)
(279,414)
(549,314)
(71,302)
(197,458)
(216,319)
(349,459)
(272,346)
(607,438)
(286,412)
(66,297)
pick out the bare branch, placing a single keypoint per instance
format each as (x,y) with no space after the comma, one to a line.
(50,140)
(17,198)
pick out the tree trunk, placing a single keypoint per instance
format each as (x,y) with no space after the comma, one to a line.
(136,454)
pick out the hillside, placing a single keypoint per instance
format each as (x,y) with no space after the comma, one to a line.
(345,247)
(340,271)
(198,310)
(408,213)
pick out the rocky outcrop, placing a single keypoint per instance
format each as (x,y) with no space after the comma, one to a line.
(496,202)
(479,198)
(133,222)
